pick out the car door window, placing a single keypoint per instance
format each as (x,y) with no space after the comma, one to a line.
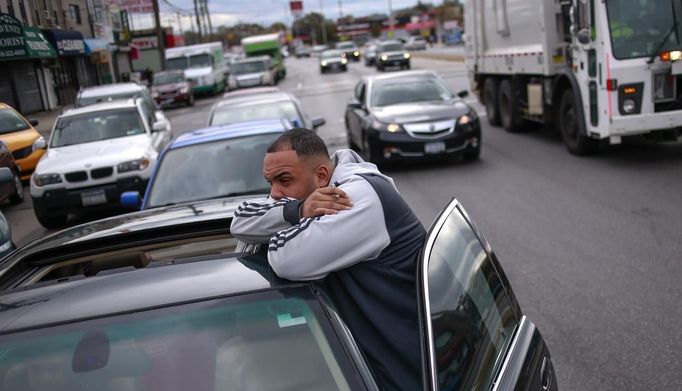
(147,114)
(360,92)
(470,317)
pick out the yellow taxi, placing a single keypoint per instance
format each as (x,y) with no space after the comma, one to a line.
(22,139)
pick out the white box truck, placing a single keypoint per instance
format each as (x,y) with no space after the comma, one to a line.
(597,69)
(203,64)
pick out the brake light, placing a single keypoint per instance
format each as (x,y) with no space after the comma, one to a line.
(612,84)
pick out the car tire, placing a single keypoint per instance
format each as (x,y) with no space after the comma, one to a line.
(344,69)
(322,71)
(576,142)
(407,66)
(492,104)
(509,107)
(380,68)
(18,196)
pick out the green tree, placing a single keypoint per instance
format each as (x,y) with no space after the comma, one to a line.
(311,25)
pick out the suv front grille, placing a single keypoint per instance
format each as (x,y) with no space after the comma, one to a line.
(101,172)
(23,152)
(76,176)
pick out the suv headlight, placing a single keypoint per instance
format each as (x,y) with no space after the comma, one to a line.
(344,61)
(391,128)
(384,57)
(46,179)
(323,63)
(133,165)
(406,55)
(467,120)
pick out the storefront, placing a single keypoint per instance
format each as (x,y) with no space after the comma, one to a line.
(99,53)
(25,81)
(71,70)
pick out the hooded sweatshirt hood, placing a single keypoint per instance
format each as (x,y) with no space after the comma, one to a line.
(349,163)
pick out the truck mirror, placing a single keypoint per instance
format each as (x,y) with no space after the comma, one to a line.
(584,36)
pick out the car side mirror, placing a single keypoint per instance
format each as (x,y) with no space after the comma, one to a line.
(131,200)
(159,126)
(463,94)
(33,122)
(354,104)
(317,122)
(6,175)
(584,36)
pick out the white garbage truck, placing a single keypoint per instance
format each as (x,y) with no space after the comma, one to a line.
(595,69)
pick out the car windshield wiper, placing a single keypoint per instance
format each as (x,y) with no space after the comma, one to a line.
(673,29)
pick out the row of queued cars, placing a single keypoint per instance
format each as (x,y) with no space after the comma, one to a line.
(382,54)
(165,298)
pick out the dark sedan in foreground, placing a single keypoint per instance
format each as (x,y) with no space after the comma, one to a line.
(166,299)
(410,115)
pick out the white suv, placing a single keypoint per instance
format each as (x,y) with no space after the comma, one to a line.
(96,153)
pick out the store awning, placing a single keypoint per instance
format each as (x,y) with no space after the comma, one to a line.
(19,43)
(67,43)
(94,45)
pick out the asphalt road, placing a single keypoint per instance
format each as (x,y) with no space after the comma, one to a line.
(591,245)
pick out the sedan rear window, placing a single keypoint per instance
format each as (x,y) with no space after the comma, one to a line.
(11,122)
(232,114)
(211,170)
(263,341)
(97,126)
(393,92)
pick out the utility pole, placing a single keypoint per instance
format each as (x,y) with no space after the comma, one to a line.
(177,15)
(208,17)
(340,9)
(324,25)
(390,18)
(196,12)
(159,34)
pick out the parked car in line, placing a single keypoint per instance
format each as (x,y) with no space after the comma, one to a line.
(349,49)
(392,53)
(172,88)
(216,162)
(370,55)
(11,187)
(252,72)
(119,91)
(410,115)
(302,51)
(22,139)
(129,300)
(332,60)
(261,105)
(96,153)
(415,43)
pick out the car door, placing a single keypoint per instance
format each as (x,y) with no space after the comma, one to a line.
(159,138)
(475,336)
(356,113)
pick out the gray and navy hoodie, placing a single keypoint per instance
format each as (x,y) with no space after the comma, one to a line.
(366,258)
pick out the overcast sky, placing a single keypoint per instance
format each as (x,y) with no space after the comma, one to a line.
(266,12)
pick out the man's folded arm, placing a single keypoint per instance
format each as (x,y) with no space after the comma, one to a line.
(255,221)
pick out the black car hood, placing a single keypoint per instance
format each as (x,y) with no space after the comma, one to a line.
(420,112)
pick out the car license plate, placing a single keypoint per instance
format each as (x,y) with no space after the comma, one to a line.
(433,148)
(94,198)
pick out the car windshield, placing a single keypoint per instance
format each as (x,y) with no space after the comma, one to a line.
(261,341)
(168,78)
(200,61)
(211,170)
(91,100)
(179,63)
(331,54)
(242,68)
(345,45)
(101,125)
(396,91)
(639,27)
(391,47)
(11,122)
(229,114)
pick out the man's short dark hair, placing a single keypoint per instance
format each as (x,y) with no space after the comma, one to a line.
(304,142)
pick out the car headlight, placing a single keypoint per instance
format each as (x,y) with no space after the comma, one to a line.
(344,61)
(133,165)
(39,144)
(184,90)
(46,179)
(384,57)
(391,128)
(629,106)
(406,55)
(356,53)
(323,63)
(466,120)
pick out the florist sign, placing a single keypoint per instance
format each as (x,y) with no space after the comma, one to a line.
(11,37)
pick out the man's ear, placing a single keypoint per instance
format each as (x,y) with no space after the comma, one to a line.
(323,174)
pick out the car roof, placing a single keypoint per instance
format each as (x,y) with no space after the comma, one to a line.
(393,41)
(404,74)
(251,99)
(249,91)
(126,290)
(111,89)
(230,131)
(102,106)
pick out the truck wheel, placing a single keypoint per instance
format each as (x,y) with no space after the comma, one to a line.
(509,107)
(492,105)
(18,196)
(576,142)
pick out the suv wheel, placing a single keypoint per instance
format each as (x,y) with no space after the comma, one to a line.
(18,196)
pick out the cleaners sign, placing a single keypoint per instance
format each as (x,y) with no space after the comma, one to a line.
(11,37)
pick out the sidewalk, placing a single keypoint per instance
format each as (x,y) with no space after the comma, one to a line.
(45,120)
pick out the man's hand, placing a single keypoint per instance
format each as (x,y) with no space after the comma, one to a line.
(325,201)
